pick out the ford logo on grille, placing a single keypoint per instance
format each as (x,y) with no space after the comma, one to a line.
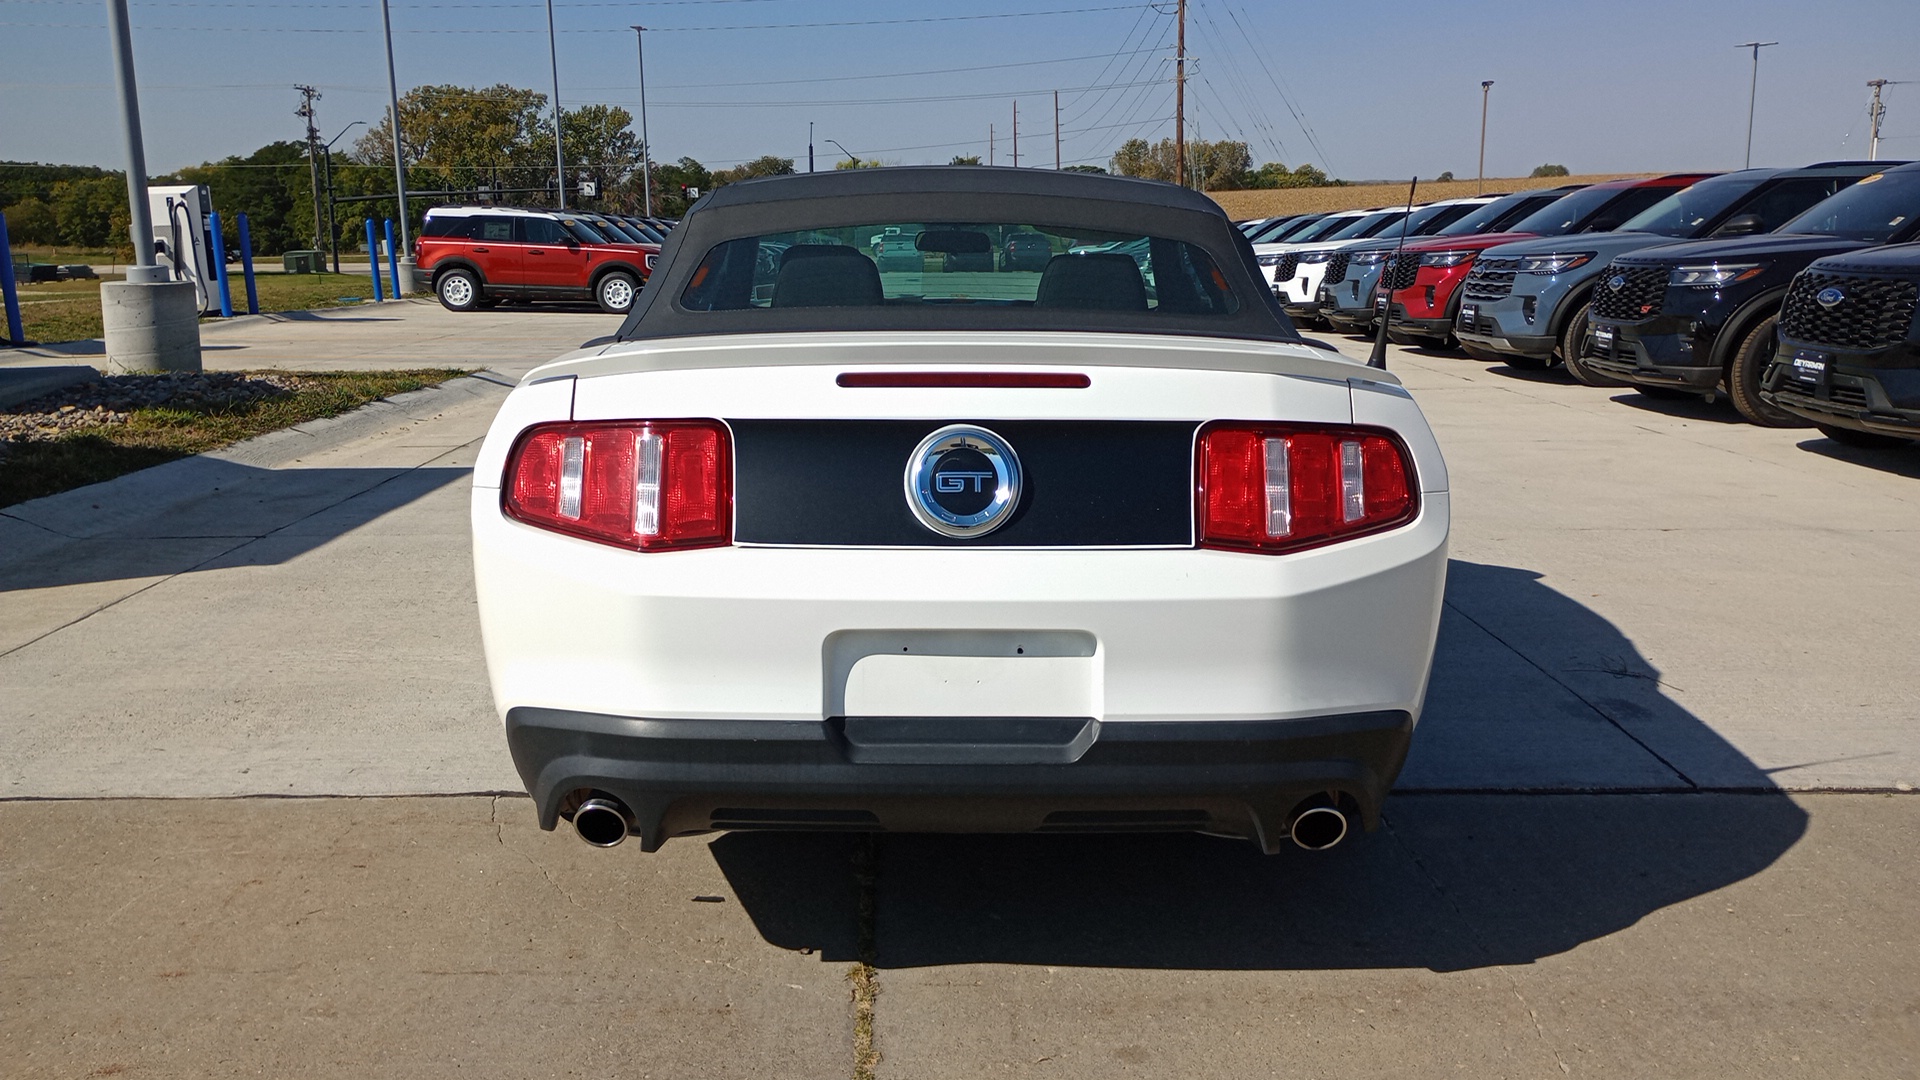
(1829,297)
(1617,282)
(963,481)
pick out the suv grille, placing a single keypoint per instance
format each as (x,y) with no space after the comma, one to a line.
(1641,292)
(1872,313)
(1491,279)
(1285,268)
(1336,268)
(1402,272)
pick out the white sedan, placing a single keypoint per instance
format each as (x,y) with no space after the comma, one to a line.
(814,545)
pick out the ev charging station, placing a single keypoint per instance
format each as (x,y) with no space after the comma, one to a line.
(183,239)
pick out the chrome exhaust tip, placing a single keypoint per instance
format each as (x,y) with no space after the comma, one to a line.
(1318,828)
(602,822)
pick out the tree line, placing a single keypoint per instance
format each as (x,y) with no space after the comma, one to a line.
(480,143)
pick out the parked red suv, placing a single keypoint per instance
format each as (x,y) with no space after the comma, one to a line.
(477,256)
(1421,288)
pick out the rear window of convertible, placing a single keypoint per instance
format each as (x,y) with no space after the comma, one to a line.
(901,264)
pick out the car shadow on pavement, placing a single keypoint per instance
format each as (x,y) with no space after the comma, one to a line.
(323,315)
(196,513)
(1685,407)
(1898,460)
(1509,849)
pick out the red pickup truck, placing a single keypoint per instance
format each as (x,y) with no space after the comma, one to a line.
(477,256)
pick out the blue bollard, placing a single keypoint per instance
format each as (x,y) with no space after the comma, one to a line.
(393,261)
(220,265)
(373,262)
(16,330)
(246,264)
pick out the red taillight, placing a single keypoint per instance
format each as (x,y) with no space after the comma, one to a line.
(654,485)
(1272,488)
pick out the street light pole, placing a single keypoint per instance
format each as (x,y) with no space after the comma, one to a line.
(151,323)
(403,267)
(1753,90)
(1480,186)
(646,147)
(333,234)
(844,150)
(559,156)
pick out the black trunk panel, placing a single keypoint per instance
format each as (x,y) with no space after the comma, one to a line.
(1088,483)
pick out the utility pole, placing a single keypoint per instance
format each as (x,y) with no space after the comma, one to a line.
(305,111)
(559,155)
(1480,187)
(646,147)
(1753,90)
(1877,112)
(1180,100)
(1016,134)
(404,265)
(809,146)
(1056,131)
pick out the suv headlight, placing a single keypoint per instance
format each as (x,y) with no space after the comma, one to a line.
(1316,256)
(1447,258)
(1554,264)
(1370,258)
(1713,275)
(1269,260)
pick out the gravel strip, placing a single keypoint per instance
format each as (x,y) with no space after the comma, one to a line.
(114,398)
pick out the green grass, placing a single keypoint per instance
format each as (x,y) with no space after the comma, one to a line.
(70,310)
(158,434)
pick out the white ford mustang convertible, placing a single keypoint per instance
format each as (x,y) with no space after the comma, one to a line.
(876,516)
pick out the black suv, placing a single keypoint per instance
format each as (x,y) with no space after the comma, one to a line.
(1849,357)
(1688,318)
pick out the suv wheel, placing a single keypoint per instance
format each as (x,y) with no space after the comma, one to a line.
(1750,362)
(1573,344)
(616,293)
(459,290)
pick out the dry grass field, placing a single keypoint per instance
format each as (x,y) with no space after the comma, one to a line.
(1240,205)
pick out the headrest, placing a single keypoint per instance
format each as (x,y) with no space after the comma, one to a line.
(1105,282)
(826,275)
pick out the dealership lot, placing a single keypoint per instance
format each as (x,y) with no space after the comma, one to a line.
(1654,612)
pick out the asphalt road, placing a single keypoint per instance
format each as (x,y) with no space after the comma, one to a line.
(1658,621)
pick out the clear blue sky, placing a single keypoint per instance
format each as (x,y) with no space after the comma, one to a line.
(1387,89)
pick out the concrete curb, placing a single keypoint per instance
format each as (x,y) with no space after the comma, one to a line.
(30,527)
(283,447)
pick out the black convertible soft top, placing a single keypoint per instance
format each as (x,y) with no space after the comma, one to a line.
(954,193)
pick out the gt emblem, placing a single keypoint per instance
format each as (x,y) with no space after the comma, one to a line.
(947,483)
(1830,297)
(963,481)
(1617,282)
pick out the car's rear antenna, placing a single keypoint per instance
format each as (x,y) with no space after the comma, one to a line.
(1379,357)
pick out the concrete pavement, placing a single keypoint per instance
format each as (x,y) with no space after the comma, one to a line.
(1693,935)
(1645,597)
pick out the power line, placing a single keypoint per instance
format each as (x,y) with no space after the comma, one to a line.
(601,30)
(1124,75)
(1285,98)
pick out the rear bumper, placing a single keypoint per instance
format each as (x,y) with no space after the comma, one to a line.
(683,777)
